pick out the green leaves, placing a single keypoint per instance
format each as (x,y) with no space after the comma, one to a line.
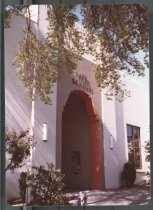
(46,186)
(120,31)
(113,35)
(40,63)
(35,67)
(64,39)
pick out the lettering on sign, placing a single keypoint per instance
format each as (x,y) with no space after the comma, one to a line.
(81,81)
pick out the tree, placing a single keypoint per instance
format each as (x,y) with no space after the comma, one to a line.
(13,10)
(121,31)
(18,148)
(114,34)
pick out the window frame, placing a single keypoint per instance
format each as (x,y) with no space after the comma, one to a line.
(133,145)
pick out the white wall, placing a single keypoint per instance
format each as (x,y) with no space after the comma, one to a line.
(112,114)
(137,113)
(18,109)
(134,111)
(113,121)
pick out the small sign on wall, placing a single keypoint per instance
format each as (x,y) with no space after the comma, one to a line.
(81,81)
(75,162)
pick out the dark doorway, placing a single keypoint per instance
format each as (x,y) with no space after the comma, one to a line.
(81,143)
(76,157)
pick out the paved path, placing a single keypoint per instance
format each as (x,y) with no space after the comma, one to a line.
(126,196)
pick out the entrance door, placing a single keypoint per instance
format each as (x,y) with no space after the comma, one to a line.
(76,145)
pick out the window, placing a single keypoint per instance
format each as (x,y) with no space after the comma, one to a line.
(134,151)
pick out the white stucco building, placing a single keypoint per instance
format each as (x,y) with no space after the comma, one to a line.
(81,123)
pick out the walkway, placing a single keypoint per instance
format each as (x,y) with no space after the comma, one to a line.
(132,196)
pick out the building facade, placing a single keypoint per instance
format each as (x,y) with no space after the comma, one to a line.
(88,137)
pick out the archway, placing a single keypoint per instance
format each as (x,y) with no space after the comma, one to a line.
(81,153)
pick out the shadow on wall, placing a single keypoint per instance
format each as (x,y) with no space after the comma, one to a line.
(12,185)
(17,108)
(121,137)
(115,152)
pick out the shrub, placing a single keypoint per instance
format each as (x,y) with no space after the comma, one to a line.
(46,186)
(147,149)
(129,174)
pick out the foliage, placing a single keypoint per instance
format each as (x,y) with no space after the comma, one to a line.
(147,149)
(120,31)
(129,174)
(35,67)
(113,34)
(148,158)
(63,37)
(46,186)
(13,10)
(18,147)
(48,57)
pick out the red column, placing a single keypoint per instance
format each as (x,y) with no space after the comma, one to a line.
(95,153)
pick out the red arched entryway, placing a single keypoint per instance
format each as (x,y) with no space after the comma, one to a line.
(94,130)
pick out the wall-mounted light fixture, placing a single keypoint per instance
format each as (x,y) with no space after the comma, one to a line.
(44,132)
(111,141)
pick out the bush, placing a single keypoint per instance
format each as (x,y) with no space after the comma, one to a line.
(147,149)
(129,174)
(46,186)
